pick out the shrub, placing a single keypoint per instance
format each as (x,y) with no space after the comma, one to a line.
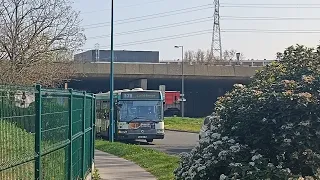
(269,129)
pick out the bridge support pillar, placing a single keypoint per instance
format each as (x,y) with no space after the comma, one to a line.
(139,83)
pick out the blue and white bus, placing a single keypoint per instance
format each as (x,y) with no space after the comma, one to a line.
(138,114)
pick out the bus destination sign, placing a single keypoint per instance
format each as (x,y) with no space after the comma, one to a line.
(140,95)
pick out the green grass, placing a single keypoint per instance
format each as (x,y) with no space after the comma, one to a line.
(185,124)
(157,163)
(17,145)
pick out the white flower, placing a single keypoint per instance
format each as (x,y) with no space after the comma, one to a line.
(235,164)
(214,128)
(201,168)
(287,140)
(223,177)
(270,165)
(239,86)
(249,172)
(235,148)
(251,163)
(253,152)
(264,119)
(216,136)
(288,170)
(217,143)
(256,157)
(304,123)
(222,154)
(287,126)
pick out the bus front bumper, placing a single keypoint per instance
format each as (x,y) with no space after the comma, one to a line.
(129,136)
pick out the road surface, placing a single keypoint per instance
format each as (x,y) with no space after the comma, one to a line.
(174,143)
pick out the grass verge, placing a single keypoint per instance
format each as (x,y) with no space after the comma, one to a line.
(157,163)
(184,124)
(17,145)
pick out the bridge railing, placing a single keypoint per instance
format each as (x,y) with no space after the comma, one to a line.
(45,133)
(251,63)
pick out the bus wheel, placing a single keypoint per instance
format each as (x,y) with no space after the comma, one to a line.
(149,140)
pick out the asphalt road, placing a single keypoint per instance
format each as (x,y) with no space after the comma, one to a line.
(174,143)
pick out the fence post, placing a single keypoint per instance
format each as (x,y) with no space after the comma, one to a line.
(93,112)
(2,104)
(70,133)
(84,133)
(38,106)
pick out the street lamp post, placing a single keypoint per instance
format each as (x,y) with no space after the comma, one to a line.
(182,81)
(111,113)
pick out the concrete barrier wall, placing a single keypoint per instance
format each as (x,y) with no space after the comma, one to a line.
(170,70)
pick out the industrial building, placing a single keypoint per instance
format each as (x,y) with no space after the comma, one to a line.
(119,56)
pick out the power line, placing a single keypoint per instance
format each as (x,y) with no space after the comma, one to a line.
(271,7)
(165,38)
(267,18)
(289,31)
(269,4)
(208,31)
(126,6)
(154,16)
(165,26)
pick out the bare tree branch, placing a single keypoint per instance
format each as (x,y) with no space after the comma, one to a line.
(34,34)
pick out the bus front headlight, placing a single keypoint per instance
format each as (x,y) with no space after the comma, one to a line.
(160,131)
(122,131)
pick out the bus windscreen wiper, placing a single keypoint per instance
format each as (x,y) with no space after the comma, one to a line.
(138,117)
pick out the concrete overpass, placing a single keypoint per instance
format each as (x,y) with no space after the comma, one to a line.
(203,83)
(171,70)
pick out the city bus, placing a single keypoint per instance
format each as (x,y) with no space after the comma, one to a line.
(138,114)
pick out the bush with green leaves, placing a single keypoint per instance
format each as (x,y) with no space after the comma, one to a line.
(269,129)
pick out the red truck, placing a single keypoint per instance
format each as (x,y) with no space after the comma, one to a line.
(172,103)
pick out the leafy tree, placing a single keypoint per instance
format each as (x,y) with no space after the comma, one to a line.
(34,35)
(269,129)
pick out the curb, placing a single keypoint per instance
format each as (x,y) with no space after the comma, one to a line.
(174,130)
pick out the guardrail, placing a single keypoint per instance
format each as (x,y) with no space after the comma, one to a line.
(46,133)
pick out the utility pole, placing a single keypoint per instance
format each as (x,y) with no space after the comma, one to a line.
(216,50)
(111,113)
(182,81)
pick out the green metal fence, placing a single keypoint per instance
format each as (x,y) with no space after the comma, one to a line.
(46,133)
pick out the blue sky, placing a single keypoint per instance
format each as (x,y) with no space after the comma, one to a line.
(96,18)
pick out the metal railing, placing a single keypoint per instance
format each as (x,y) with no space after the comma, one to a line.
(46,133)
(251,63)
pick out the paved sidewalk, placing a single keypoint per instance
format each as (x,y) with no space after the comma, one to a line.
(114,168)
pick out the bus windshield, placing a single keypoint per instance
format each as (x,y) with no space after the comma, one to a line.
(131,111)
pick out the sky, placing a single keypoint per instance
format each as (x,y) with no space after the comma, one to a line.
(159,25)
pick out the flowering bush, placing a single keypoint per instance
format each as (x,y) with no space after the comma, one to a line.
(269,129)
